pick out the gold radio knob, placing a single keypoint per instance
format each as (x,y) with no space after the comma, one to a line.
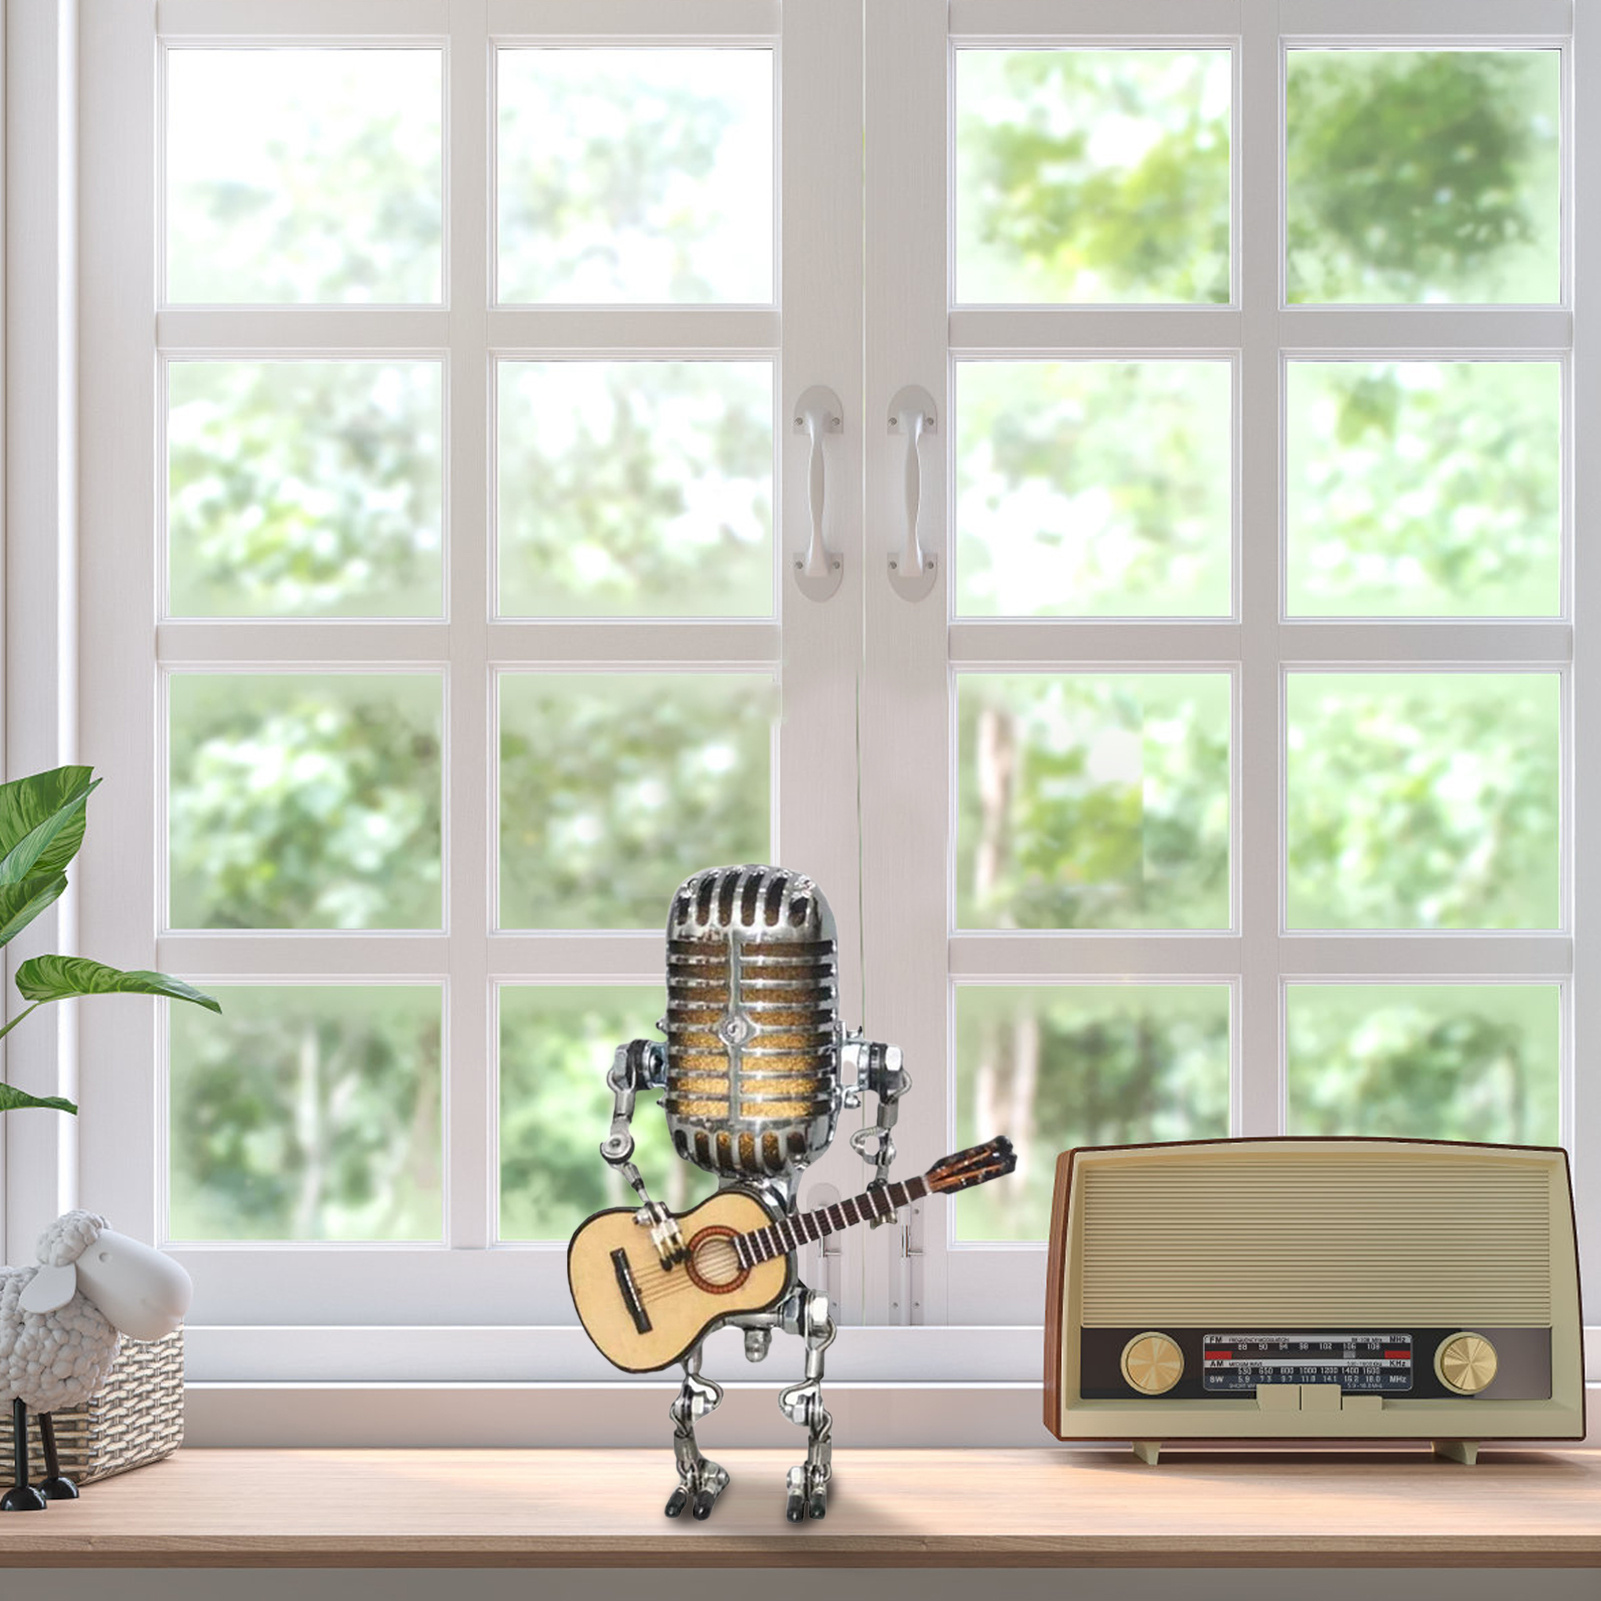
(1465,1363)
(1152,1363)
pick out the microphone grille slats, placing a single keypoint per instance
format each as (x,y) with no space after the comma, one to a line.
(752,1020)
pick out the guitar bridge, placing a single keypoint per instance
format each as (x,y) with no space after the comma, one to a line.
(630,1291)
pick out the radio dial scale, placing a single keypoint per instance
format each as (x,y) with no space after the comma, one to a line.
(1361,1364)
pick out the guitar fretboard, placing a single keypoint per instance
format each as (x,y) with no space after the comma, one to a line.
(790,1233)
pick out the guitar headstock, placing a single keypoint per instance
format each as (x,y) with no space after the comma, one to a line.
(977,1165)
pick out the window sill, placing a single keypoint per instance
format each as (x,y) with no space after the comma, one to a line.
(620,1413)
(1052,1509)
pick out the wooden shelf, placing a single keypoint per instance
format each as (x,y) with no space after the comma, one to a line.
(1067,1508)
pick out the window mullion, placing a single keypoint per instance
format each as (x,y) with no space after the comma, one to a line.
(322,331)
(306,645)
(905,727)
(120,1143)
(330,955)
(1582,1121)
(1257,845)
(821,312)
(683,332)
(1445,330)
(1382,956)
(469,725)
(213,20)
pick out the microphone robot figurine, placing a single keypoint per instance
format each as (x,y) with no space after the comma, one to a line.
(756,1070)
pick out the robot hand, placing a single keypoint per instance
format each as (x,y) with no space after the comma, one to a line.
(637,1066)
(664,1233)
(881,1072)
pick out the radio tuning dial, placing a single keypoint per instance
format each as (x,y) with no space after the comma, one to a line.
(1465,1363)
(1152,1363)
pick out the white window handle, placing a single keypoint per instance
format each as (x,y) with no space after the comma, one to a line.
(911,568)
(818,569)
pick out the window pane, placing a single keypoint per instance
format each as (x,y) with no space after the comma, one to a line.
(636,175)
(304,175)
(1092,175)
(307,1112)
(556,1046)
(1093,489)
(1431,1061)
(1423,175)
(304,488)
(1093,800)
(1062,1065)
(305,800)
(1423,800)
(639,488)
(1425,488)
(615,787)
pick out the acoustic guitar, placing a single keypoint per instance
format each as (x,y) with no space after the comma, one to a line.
(643,1315)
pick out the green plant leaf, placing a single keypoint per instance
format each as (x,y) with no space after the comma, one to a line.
(59,978)
(21,903)
(12,1100)
(22,860)
(28,803)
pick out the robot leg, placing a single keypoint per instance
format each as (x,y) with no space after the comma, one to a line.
(803,1403)
(700,1480)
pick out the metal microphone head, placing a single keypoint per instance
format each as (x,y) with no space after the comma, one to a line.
(752,1021)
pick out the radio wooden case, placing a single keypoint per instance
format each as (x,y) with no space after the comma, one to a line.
(1313,1289)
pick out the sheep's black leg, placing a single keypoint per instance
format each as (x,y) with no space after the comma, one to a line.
(57,1486)
(21,1497)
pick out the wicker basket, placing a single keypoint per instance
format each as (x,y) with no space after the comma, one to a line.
(136,1418)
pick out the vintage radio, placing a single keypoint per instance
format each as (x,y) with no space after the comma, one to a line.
(1313,1289)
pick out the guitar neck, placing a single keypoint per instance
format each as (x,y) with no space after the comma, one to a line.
(790,1233)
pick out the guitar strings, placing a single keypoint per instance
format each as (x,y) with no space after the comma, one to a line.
(656,1283)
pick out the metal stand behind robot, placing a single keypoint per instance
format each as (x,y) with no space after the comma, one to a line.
(755,1074)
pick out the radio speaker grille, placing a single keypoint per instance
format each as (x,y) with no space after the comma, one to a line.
(1260,1241)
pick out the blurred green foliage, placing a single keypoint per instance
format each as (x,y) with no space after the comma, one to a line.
(1062,1065)
(308,1112)
(1423,800)
(1423,175)
(1411,175)
(1445,1061)
(556,1045)
(1095,800)
(1093,488)
(635,489)
(304,175)
(615,787)
(1424,488)
(305,488)
(299,801)
(1092,175)
(635,175)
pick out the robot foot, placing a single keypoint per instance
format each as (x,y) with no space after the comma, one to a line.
(806,1495)
(699,1493)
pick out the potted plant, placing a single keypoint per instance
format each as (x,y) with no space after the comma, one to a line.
(138,1414)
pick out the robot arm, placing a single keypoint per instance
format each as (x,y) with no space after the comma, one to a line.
(640,1065)
(879,1070)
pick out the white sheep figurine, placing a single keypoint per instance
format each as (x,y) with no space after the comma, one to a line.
(59,1331)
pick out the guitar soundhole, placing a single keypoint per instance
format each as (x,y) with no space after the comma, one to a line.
(713,1265)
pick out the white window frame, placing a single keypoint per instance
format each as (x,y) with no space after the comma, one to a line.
(917,332)
(60,208)
(353,1301)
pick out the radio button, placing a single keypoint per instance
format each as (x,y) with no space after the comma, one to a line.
(1465,1363)
(1152,1363)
